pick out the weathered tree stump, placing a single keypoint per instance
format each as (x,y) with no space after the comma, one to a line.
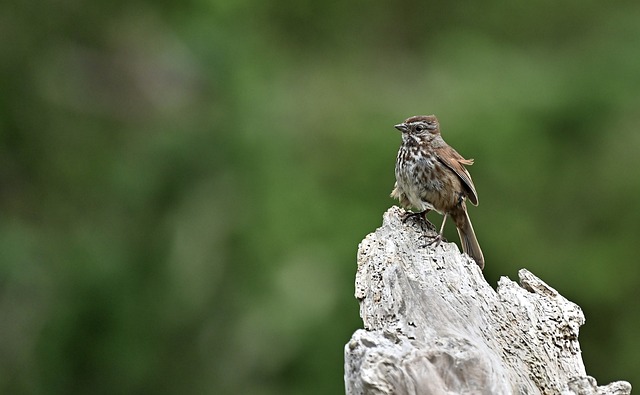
(433,325)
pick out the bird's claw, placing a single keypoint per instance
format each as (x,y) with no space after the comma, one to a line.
(420,214)
(437,239)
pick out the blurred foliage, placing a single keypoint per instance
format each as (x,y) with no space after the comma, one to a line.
(183,185)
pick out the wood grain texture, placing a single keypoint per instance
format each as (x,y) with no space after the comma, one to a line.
(433,325)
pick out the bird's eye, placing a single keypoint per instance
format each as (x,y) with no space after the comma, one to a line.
(419,128)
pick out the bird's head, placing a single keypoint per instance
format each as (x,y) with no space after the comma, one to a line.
(419,125)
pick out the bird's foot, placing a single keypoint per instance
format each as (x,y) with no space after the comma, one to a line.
(420,214)
(437,239)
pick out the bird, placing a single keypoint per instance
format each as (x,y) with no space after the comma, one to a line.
(431,175)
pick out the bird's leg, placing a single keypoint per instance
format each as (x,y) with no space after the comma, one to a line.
(422,214)
(439,237)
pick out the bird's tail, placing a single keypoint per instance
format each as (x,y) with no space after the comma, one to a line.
(468,237)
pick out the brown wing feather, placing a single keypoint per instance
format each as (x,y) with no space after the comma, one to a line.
(453,160)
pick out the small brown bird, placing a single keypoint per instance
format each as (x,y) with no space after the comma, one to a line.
(430,175)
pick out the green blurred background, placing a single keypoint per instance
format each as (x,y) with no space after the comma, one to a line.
(184,183)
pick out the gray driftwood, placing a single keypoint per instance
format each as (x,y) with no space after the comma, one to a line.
(433,325)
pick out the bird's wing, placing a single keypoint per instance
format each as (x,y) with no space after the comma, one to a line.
(454,161)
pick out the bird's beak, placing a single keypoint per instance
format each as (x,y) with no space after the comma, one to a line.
(402,127)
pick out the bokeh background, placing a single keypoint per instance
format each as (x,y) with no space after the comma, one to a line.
(183,184)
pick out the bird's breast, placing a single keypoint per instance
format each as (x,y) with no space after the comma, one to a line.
(426,182)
